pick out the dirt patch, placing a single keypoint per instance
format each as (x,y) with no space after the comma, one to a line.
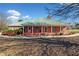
(40,47)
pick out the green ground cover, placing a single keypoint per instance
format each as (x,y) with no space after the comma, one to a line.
(74,30)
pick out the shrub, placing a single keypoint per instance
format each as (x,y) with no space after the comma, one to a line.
(12,32)
(19,31)
(9,32)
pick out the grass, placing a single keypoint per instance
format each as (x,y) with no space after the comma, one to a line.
(74,31)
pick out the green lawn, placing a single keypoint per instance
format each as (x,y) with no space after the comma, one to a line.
(74,30)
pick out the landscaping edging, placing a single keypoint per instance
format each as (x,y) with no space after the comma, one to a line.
(71,38)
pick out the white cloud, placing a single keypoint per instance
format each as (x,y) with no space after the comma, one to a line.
(26,17)
(14,12)
(12,17)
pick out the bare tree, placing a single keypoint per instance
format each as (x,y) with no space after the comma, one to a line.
(65,11)
(3,21)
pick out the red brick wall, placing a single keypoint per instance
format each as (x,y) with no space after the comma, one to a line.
(49,29)
(58,28)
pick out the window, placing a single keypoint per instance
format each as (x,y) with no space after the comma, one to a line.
(37,29)
(30,29)
(25,29)
(54,29)
(45,29)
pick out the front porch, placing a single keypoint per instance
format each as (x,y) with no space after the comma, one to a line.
(41,30)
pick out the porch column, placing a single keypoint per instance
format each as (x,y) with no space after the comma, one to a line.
(51,29)
(23,30)
(32,30)
(41,29)
(28,29)
(60,28)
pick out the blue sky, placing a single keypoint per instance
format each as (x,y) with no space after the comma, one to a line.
(33,10)
(25,10)
(17,11)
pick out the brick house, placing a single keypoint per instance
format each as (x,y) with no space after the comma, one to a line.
(42,27)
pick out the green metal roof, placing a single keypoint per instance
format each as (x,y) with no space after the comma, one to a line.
(44,21)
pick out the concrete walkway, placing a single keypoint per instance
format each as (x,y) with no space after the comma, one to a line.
(73,35)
